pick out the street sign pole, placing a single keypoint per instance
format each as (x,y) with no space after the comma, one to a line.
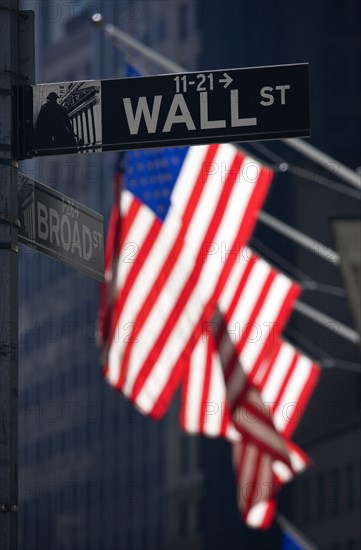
(8,280)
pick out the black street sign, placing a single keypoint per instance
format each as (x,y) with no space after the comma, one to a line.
(61,227)
(167,110)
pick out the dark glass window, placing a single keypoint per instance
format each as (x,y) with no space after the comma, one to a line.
(321,496)
(26,454)
(351,487)
(162,28)
(88,70)
(306,498)
(335,492)
(184,454)
(50,446)
(183,27)
(199,517)
(183,519)
(160,453)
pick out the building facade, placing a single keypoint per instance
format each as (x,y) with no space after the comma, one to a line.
(324,502)
(93,472)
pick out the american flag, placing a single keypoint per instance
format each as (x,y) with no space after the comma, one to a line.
(176,203)
(286,380)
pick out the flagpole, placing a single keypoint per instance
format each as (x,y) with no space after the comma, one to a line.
(327,321)
(125,41)
(327,162)
(288,527)
(309,243)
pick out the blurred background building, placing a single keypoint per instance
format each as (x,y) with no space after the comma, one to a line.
(93,472)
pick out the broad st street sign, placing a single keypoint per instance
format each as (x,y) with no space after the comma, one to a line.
(168,110)
(61,227)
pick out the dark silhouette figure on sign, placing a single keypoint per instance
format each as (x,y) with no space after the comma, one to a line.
(53,128)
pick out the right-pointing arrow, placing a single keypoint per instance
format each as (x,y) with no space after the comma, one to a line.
(226,80)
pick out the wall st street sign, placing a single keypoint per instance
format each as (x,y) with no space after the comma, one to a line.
(167,110)
(61,227)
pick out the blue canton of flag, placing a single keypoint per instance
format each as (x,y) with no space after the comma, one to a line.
(151,176)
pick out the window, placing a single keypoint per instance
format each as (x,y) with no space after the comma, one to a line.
(50,446)
(184,454)
(26,454)
(199,453)
(162,28)
(183,519)
(351,487)
(199,515)
(38,456)
(62,442)
(159,533)
(183,12)
(160,453)
(306,496)
(335,492)
(31,453)
(88,70)
(321,496)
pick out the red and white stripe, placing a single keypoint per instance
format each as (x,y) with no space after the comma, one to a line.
(286,380)
(264,458)
(259,479)
(168,290)
(258,299)
(285,377)
(252,315)
(252,420)
(204,407)
(255,481)
(259,473)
